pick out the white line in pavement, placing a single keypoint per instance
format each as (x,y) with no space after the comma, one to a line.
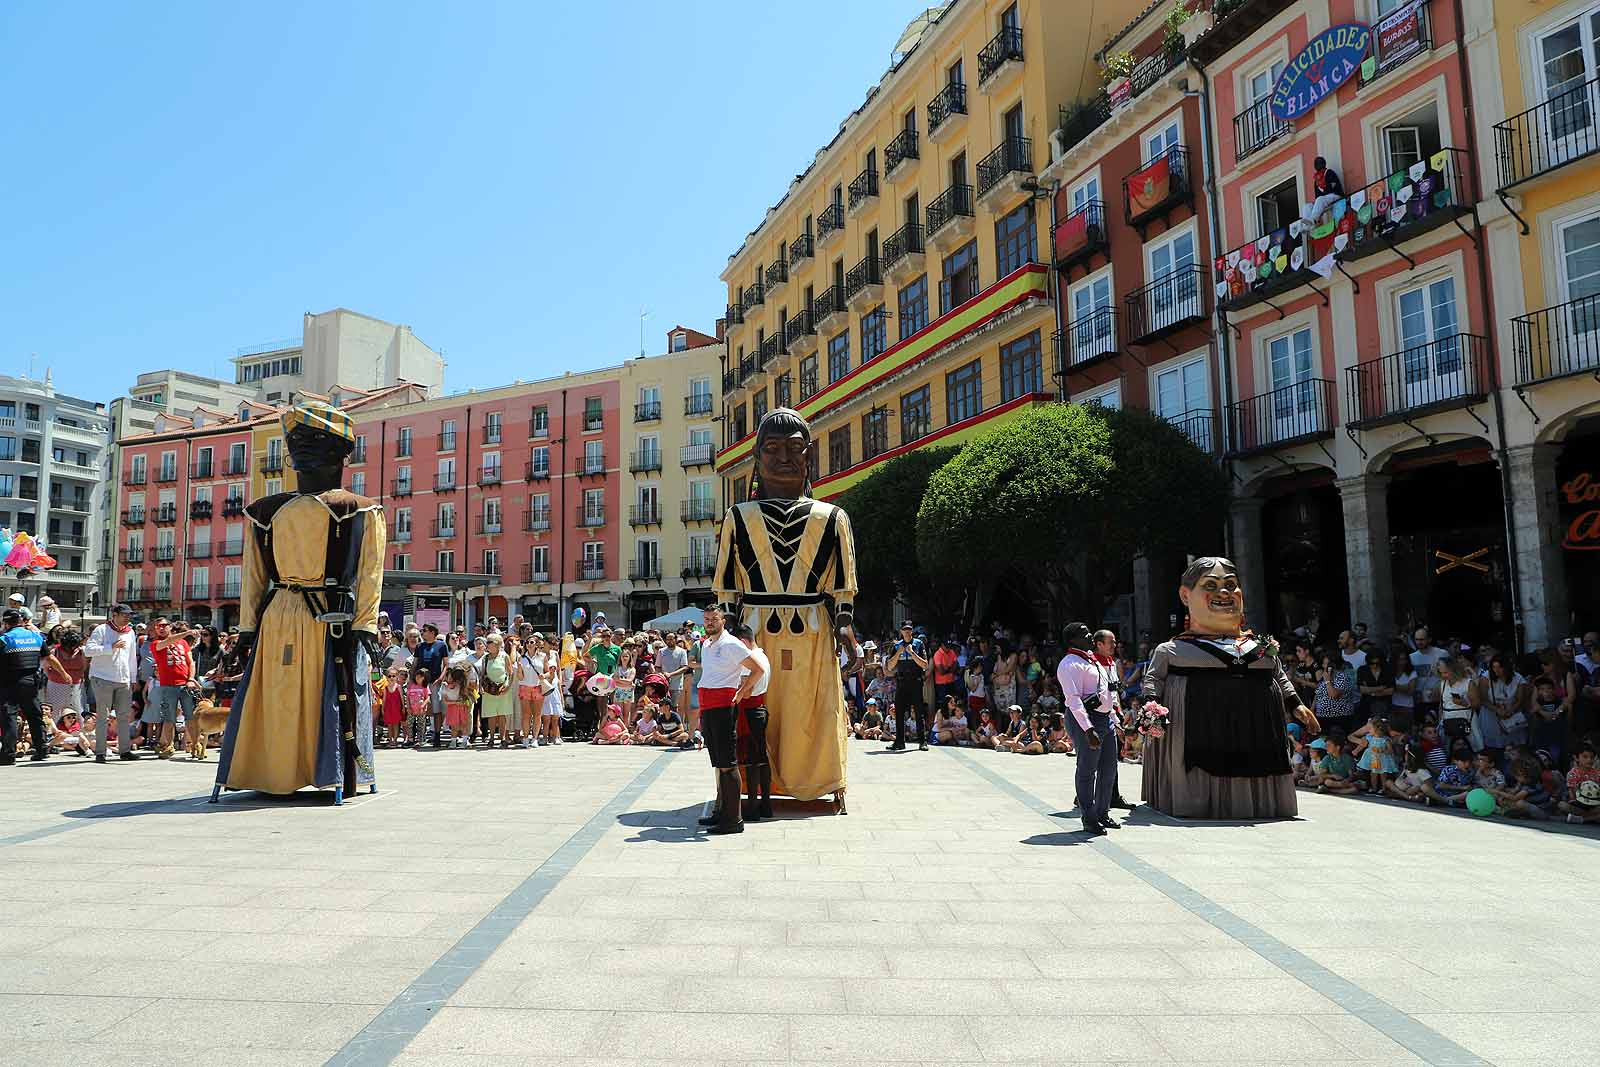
(1405,1030)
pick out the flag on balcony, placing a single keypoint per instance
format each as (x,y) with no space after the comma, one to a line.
(1149,187)
(1072,234)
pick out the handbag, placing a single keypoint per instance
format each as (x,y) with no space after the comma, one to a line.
(492,688)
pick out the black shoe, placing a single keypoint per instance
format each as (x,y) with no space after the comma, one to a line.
(1093,829)
(897,747)
(128,755)
(39,757)
(8,761)
(100,759)
(1118,802)
(1110,824)
(710,820)
(923,747)
(735,828)
(764,810)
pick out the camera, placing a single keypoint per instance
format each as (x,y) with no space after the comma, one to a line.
(1092,702)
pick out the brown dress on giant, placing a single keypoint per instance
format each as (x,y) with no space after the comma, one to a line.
(1225,754)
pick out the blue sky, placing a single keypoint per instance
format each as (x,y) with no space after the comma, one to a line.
(514,180)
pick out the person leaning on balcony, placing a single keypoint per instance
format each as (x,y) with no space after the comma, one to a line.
(1326,188)
(113,651)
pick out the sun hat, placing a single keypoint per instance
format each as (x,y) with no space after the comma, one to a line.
(1588,794)
(1321,742)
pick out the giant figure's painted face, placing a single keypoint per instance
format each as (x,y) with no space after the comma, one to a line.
(1215,601)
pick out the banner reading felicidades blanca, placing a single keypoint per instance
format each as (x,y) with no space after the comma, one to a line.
(1327,62)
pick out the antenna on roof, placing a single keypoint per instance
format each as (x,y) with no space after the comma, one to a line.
(643,314)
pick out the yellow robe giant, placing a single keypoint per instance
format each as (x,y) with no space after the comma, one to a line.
(279,726)
(789,567)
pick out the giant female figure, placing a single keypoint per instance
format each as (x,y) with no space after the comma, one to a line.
(308,616)
(1224,754)
(786,568)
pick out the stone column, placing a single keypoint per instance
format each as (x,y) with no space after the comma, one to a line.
(1541,592)
(1368,560)
(1244,518)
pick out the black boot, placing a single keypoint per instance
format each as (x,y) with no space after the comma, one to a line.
(765,771)
(751,806)
(728,795)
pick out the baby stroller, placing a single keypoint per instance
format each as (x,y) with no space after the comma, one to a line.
(585,708)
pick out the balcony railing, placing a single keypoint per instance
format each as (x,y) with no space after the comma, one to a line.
(229,590)
(588,464)
(1148,72)
(771,348)
(536,520)
(536,472)
(1014,155)
(696,455)
(588,517)
(949,205)
(200,550)
(400,535)
(1080,118)
(754,297)
(1158,185)
(163,474)
(730,380)
(230,549)
(734,314)
(951,100)
(1006,46)
(68,503)
(1403,34)
(402,448)
(489,475)
(164,553)
(531,575)
(200,591)
(1558,341)
(400,487)
(645,459)
(202,470)
(1256,127)
(1171,302)
(233,506)
(777,274)
(200,509)
(1199,426)
(133,517)
(697,566)
(644,515)
(1081,234)
(1289,415)
(800,249)
(445,482)
(1563,129)
(489,527)
(863,187)
(1430,193)
(900,150)
(829,302)
(447,440)
(1253,274)
(831,221)
(589,570)
(797,327)
(862,275)
(272,463)
(901,243)
(132,555)
(647,411)
(491,433)
(693,510)
(166,515)
(134,478)
(1447,373)
(697,404)
(644,570)
(357,457)
(1089,339)
(444,528)
(748,366)
(68,540)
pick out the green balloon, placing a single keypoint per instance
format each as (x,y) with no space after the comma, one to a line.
(1480,802)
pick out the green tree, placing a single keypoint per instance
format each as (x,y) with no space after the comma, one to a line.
(882,509)
(1069,496)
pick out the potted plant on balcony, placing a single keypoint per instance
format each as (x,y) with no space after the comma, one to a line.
(1116,71)
(1184,23)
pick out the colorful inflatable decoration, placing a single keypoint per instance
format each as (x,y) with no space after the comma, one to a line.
(23,554)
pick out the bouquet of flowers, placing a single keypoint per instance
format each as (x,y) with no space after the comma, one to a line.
(1151,719)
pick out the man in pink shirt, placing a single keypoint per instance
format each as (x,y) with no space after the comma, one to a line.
(1087,674)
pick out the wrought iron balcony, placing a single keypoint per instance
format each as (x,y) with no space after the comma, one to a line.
(1290,415)
(232,506)
(1451,372)
(1158,186)
(1014,155)
(536,472)
(166,515)
(798,327)
(697,566)
(1558,341)
(400,487)
(1081,235)
(229,590)
(696,455)
(489,474)
(648,411)
(133,517)
(402,447)
(588,517)
(1431,193)
(644,570)
(1256,127)
(590,465)
(229,549)
(530,575)
(946,103)
(771,348)
(748,366)
(489,527)
(808,381)
(860,276)
(777,274)
(202,470)
(800,249)
(730,380)
(955,202)
(198,509)
(589,570)
(828,303)
(491,433)
(132,555)
(1199,426)
(69,540)
(593,422)
(536,520)
(693,510)
(1548,136)
(904,242)
(400,535)
(197,591)
(447,440)
(734,314)
(134,478)
(698,404)
(1005,47)
(1171,302)
(443,528)
(198,550)
(358,456)
(81,505)
(1250,274)
(645,459)
(863,187)
(445,482)
(1089,339)
(272,463)
(163,474)
(164,553)
(1080,118)
(830,222)
(754,297)
(902,149)
(644,515)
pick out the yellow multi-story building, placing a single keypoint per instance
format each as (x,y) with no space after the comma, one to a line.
(898,294)
(1535,66)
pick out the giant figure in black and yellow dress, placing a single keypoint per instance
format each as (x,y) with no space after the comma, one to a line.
(308,617)
(786,568)
(1224,754)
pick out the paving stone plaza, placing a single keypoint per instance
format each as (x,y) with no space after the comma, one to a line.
(486,909)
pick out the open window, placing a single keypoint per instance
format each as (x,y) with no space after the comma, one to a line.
(1277,207)
(1412,137)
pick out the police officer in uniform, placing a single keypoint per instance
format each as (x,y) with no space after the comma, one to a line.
(21,647)
(909,660)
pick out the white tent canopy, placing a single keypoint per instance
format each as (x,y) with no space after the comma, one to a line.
(676,619)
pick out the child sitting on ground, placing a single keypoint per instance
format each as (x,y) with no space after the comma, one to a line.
(1549,717)
(1525,797)
(985,736)
(1452,784)
(1408,785)
(1031,741)
(612,730)
(1486,775)
(1434,752)
(952,728)
(1058,740)
(645,728)
(669,726)
(870,728)
(1336,771)
(1583,788)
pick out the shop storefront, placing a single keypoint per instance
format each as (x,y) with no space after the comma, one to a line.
(1578,503)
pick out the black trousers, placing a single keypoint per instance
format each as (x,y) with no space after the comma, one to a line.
(23,698)
(908,698)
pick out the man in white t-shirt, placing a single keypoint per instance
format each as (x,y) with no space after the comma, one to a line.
(1351,651)
(729,674)
(751,731)
(1425,661)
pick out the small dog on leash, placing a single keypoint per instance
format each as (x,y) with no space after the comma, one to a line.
(205,720)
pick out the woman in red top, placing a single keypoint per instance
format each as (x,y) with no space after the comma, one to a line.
(64,670)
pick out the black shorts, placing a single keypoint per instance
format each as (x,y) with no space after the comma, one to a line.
(751,733)
(717,727)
